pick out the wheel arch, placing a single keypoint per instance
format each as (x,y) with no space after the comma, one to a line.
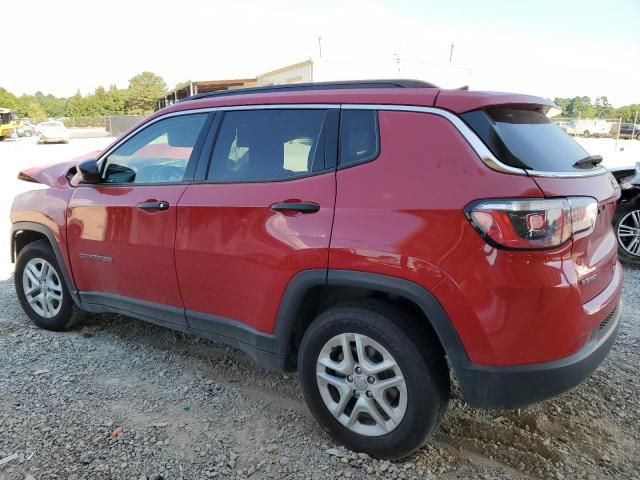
(312,291)
(24,233)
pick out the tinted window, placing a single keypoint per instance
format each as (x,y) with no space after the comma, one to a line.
(358,136)
(157,154)
(255,145)
(526,139)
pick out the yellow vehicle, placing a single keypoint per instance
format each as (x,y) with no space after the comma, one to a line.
(9,123)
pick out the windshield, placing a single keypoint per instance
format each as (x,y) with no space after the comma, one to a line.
(52,125)
(526,139)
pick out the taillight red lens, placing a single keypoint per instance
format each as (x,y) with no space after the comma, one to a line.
(532,223)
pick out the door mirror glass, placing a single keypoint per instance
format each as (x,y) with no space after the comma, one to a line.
(120,173)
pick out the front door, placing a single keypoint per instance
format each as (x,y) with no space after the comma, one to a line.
(262,214)
(121,232)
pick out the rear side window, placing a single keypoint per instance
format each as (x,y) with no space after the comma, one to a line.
(359,140)
(526,139)
(261,145)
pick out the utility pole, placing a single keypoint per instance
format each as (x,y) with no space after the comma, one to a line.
(618,134)
(633,128)
(319,46)
(451,53)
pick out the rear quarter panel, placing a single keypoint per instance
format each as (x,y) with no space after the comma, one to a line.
(403,213)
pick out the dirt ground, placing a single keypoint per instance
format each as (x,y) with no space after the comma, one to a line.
(116,398)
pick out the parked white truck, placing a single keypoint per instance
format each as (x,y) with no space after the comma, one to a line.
(588,128)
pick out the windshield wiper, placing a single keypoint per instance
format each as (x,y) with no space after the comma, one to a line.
(591,161)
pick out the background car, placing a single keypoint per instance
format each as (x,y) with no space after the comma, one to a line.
(27,129)
(627,130)
(52,132)
(626,220)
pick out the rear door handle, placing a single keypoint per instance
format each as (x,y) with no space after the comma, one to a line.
(154,205)
(301,207)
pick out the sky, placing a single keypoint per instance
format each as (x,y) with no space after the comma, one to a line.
(550,48)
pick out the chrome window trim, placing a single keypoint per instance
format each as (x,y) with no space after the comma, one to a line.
(487,157)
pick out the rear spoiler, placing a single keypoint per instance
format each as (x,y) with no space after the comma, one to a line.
(461,101)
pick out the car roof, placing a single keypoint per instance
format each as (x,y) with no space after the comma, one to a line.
(387,92)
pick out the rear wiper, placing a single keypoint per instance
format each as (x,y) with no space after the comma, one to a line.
(591,161)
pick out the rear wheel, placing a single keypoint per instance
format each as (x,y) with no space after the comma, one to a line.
(626,223)
(41,289)
(374,380)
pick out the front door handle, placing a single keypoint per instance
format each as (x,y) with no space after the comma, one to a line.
(154,205)
(301,207)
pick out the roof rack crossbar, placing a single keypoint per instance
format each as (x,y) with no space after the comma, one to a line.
(301,87)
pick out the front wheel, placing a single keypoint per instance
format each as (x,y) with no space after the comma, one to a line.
(626,223)
(586,134)
(374,378)
(41,289)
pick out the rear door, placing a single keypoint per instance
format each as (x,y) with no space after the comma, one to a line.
(121,232)
(528,139)
(262,213)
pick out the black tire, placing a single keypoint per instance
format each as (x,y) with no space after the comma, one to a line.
(69,314)
(622,211)
(416,351)
(586,134)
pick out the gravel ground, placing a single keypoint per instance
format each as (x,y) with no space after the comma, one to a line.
(116,398)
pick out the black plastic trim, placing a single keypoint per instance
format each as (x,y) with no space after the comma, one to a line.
(424,299)
(38,227)
(297,87)
(92,301)
(519,386)
(260,346)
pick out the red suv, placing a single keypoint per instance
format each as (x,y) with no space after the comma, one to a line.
(377,237)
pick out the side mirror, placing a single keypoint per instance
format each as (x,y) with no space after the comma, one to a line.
(87,172)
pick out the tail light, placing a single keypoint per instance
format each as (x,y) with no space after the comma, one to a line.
(532,223)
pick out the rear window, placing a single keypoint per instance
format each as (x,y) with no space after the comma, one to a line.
(358,136)
(526,139)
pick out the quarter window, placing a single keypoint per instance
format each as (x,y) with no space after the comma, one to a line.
(257,145)
(358,136)
(157,154)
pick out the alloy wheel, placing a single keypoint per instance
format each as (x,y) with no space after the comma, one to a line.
(628,232)
(42,287)
(361,384)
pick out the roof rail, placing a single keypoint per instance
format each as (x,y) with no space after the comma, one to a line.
(301,87)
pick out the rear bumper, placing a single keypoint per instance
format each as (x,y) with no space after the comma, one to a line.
(519,386)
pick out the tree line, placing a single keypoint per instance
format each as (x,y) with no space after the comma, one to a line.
(144,89)
(139,98)
(583,107)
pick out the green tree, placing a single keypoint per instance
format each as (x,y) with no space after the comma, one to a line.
(144,91)
(603,108)
(77,106)
(7,99)
(115,100)
(35,111)
(628,113)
